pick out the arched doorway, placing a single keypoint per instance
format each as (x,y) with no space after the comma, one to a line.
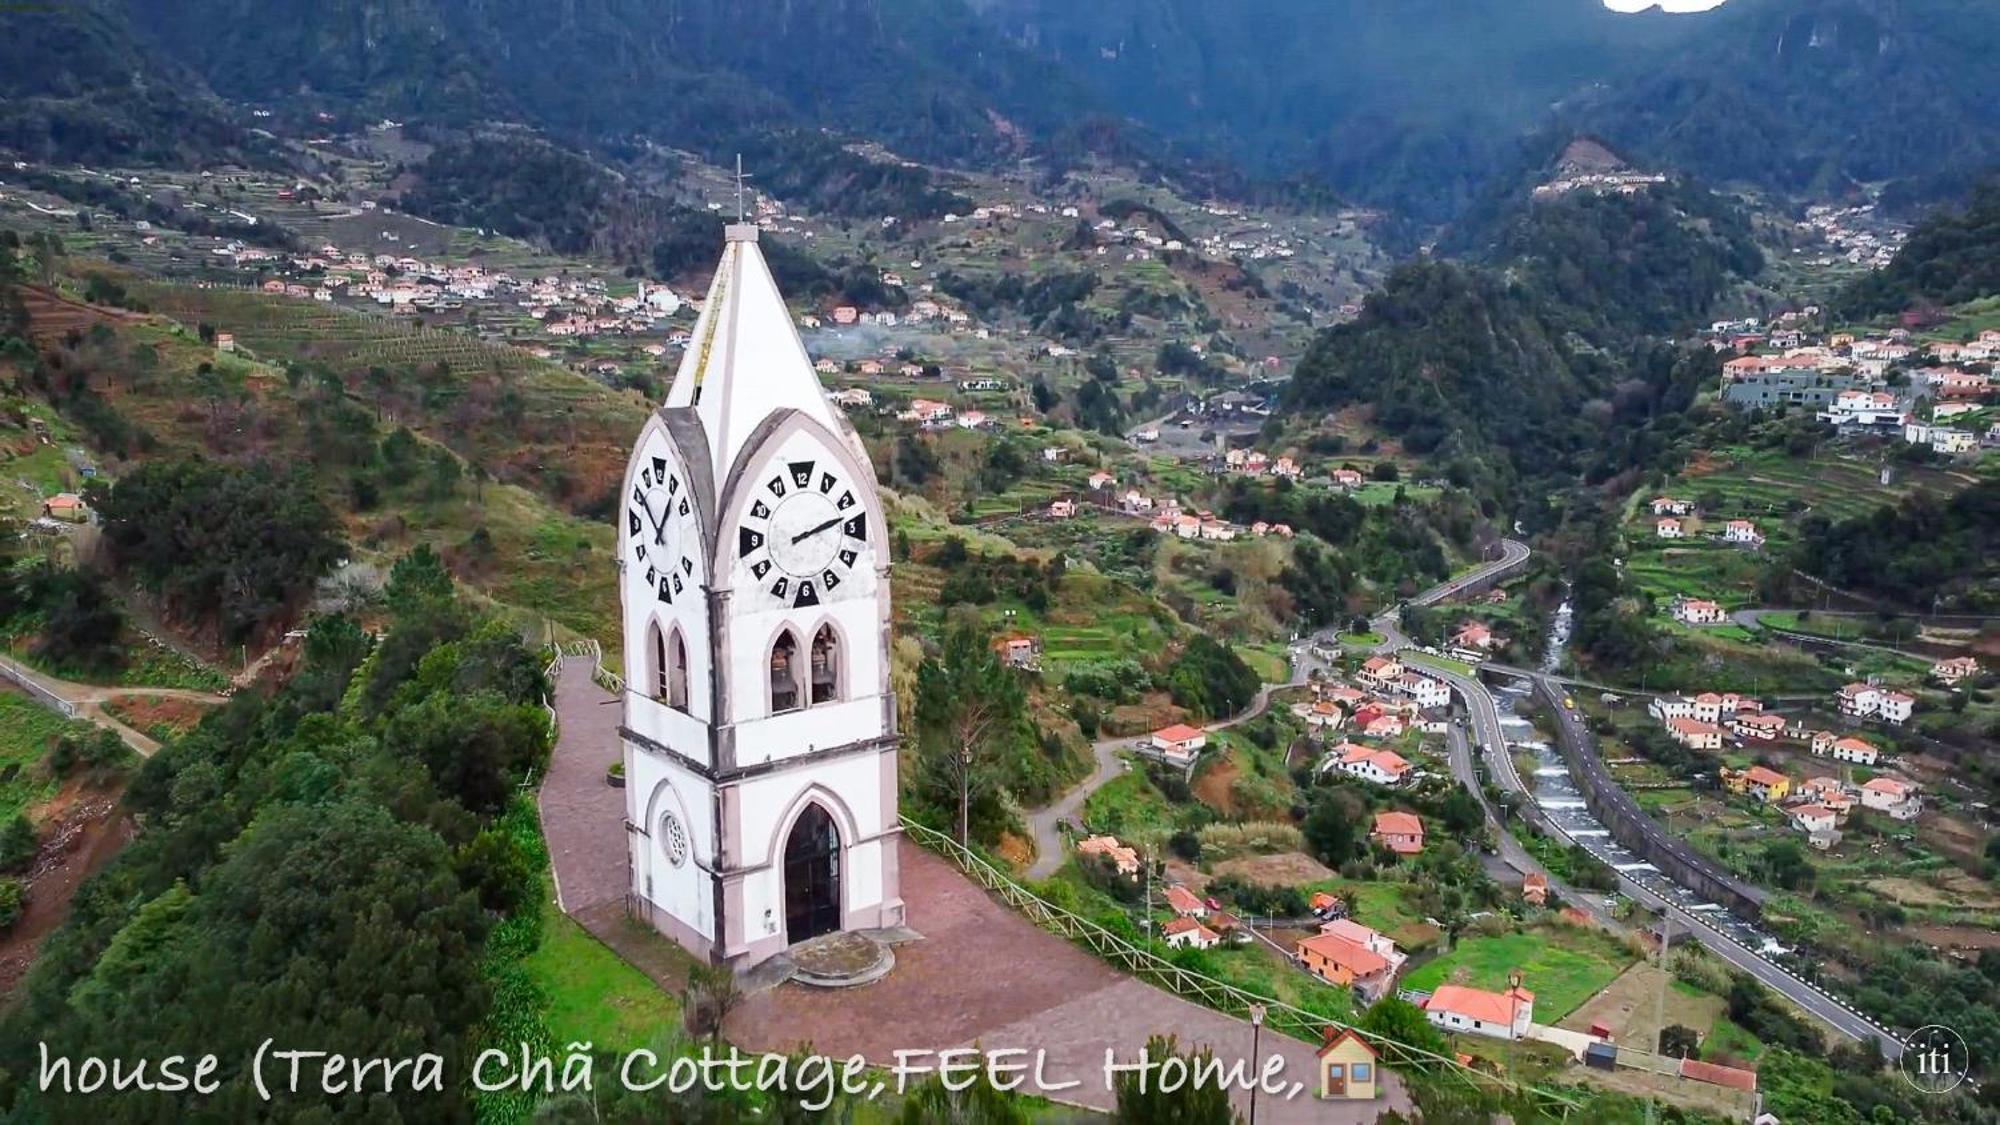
(812,876)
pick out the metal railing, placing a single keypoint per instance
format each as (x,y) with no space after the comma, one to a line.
(1206,990)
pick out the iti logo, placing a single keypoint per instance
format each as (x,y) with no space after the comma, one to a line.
(1935,1059)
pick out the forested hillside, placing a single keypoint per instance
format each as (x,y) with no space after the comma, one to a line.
(1480,376)
(1953,256)
(324,866)
(1926,554)
(1651,262)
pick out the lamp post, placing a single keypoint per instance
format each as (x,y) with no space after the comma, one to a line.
(1256,1061)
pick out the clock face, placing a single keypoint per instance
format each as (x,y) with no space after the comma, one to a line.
(804,532)
(660,542)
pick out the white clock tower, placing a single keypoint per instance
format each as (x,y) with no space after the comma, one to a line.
(760,731)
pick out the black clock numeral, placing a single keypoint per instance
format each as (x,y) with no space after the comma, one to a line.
(760,568)
(802,473)
(826,482)
(781,587)
(807,595)
(639,550)
(666,593)
(828,579)
(632,521)
(687,565)
(845,502)
(856,528)
(659,468)
(748,540)
(646,477)
(677,583)
(760,510)
(777,486)
(847,557)
(684,506)
(652,576)
(638,496)
(673,485)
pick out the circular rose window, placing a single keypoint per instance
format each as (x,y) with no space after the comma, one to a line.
(674,839)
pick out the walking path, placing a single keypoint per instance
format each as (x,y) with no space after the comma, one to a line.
(86,701)
(981,975)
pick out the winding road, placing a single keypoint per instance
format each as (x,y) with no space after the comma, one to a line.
(1045,823)
(86,701)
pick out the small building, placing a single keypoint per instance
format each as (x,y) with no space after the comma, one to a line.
(1854,750)
(1695,734)
(225,341)
(1347,1067)
(1124,858)
(1601,1056)
(1742,531)
(1326,907)
(1671,506)
(1951,672)
(66,506)
(1185,902)
(1379,672)
(1062,509)
(1535,889)
(1382,767)
(1500,1015)
(1767,785)
(1889,795)
(1474,635)
(1186,933)
(1695,611)
(1757,727)
(1669,528)
(1400,832)
(1180,742)
(1101,480)
(1019,650)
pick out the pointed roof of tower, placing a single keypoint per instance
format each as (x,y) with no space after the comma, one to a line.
(744,360)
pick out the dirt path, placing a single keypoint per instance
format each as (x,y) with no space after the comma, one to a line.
(86,701)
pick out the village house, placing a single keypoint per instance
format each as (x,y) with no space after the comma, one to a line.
(1950,672)
(1185,902)
(1695,611)
(1326,907)
(1756,727)
(1767,785)
(1019,650)
(1382,767)
(1424,690)
(1670,506)
(1320,714)
(1379,672)
(1125,859)
(972,420)
(1889,795)
(852,397)
(1855,751)
(1817,822)
(1179,743)
(826,366)
(1669,528)
(1400,832)
(1186,933)
(1348,479)
(1100,480)
(225,341)
(1830,792)
(1136,501)
(1054,454)
(1285,467)
(926,411)
(1473,635)
(66,506)
(1742,531)
(1062,509)
(1695,734)
(1535,889)
(1347,1067)
(1350,954)
(1500,1015)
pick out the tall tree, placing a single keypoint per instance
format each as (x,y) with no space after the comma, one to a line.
(971,714)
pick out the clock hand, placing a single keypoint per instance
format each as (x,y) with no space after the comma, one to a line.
(659,530)
(805,535)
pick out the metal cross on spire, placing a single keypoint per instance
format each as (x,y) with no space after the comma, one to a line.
(739,187)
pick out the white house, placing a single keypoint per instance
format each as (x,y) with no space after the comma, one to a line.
(1694,611)
(1179,742)
(1382,767)
(1427,692)
(1695,734)
(1757,727)
(1854,750)
(1670,506)
(1742,531)
(1185,933)
(1897,798)
(1669,528)
(1501,1015)
(1950,672)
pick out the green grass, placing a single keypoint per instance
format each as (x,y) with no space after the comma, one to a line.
(1128,804)
(1360,640)
(1445,662)
(26,732)
(1563,968)
(593,995)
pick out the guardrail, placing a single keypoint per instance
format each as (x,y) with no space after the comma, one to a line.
(1206,990)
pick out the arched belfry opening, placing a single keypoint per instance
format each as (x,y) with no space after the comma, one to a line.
(677,671)
(812,876)
(787,682)
(826,669)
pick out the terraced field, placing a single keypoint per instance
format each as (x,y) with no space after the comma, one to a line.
(1760,483)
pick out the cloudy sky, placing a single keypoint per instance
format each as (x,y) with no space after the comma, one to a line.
(1669,5)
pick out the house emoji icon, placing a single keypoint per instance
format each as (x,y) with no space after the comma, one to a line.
(1347,1067)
